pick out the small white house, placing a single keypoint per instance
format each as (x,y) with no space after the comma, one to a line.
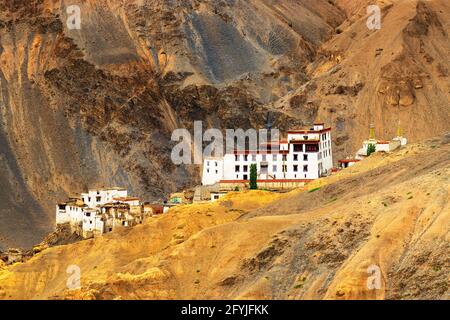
(217,195)
(346,163)
(70,212)
(98,197)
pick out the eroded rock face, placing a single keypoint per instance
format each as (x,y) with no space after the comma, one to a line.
(97,106)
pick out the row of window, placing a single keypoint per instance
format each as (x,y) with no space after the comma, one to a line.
(246,177)
(324,136)
(284,168)
(326,145)
(308,148)
(297,148)
(295,157)
(98,199)
(216,164)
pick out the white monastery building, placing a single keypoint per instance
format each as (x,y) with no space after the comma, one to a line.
(305,155)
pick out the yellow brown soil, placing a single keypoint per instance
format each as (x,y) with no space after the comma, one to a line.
(97,107)
(391,211)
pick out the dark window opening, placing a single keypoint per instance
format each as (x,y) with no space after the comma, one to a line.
(264,169)
(312,148)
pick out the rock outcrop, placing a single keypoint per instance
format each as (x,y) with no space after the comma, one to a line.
(96,106)
(388,214)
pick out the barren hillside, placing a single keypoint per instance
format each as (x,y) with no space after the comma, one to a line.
(96,106)
(391,211)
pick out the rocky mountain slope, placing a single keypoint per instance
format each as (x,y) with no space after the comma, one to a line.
(389,211)
(96,106)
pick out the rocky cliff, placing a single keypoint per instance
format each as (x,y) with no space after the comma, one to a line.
(96,106)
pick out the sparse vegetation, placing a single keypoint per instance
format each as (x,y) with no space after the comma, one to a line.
(437,268)
(314,190)
(270,235)
(300,283)
(371,148)
(253,177)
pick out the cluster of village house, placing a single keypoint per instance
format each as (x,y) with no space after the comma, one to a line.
(104,210)
(304,155)
(97,212)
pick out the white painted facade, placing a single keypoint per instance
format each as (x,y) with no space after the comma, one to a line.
(217,195)
(347,163)
(304,155)
(92,222)
(70,212)
(99,197)
(381,145)
(403,141)
(87,214)
(212,171)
